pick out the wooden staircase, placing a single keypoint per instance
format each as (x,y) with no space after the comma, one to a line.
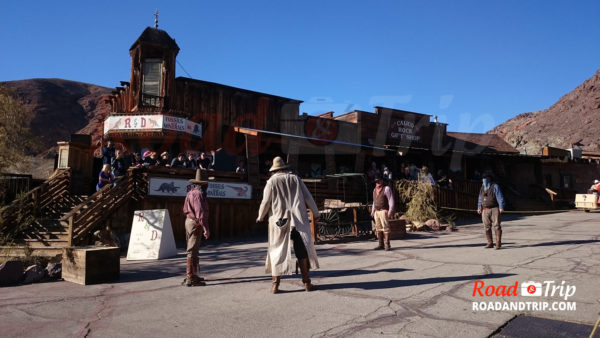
(50,218)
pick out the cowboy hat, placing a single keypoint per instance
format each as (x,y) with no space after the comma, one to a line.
(278,164)
(197,180)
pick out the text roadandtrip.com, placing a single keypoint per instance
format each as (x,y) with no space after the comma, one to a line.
(527,289)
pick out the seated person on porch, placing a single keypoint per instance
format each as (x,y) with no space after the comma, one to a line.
(151,158)
(179,161)
(137,160)
(164,159)
(204,162)
(190,162)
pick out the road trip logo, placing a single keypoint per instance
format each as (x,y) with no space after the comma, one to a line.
(545,296)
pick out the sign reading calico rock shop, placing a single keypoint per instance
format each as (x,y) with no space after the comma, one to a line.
(177,187)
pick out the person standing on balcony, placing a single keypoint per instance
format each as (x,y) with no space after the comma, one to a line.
(119,164)
(490,205)
(285,200)
(195,209)
(382,210)
(108,152)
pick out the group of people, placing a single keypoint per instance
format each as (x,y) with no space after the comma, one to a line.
(409,172)
(115,162)
(120,161)
(284,204)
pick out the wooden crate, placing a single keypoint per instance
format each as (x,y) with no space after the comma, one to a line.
(91,264)
(397,228)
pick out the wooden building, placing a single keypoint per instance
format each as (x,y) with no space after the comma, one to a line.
(156,110)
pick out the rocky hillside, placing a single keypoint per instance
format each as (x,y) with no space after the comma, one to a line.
(575,118)
(60,107)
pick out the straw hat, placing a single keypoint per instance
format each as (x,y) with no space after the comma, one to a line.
(197,180)
(278,164)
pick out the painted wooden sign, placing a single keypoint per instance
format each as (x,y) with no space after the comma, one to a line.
(162,186)
(151,235)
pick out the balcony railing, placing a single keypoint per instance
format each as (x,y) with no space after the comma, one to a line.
(153,101)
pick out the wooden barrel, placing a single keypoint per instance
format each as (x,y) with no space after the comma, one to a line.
(397,228)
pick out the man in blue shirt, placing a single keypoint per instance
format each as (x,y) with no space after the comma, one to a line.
(490,205)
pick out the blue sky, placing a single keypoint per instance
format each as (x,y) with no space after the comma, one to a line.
(474,64)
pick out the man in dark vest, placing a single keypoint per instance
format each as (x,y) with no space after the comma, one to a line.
(383,209)
(490,205)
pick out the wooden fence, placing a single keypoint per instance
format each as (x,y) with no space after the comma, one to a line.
(44,200)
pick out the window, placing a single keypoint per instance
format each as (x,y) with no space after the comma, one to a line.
(152,75)
(567,181)
(63,157)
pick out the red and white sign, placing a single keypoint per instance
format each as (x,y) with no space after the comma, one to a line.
(152,123)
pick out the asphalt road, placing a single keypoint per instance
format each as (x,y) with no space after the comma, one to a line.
(424,287)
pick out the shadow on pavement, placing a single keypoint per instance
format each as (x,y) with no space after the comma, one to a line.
(395,283)
(357,272)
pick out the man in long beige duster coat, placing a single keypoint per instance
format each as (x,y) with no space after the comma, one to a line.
(285,199)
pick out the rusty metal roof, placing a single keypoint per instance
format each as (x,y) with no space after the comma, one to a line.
(481,143)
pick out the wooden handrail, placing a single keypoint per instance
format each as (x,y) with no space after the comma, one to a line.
(36,201)
(92,212)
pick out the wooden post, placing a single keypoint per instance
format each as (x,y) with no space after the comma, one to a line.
(253,162)
(216,218)
(70,230)
(355,224)
(313,226)
(36,202)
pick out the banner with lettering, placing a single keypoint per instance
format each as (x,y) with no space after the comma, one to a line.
(178,187)
(152,123)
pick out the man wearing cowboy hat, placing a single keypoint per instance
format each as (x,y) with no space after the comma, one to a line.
(382,210)
(195,209)
(285,200)
(490,205)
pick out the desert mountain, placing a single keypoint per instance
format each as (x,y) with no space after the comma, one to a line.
(60,107)
(574,119)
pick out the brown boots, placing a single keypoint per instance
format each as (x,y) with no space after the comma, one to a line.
(191,276)
(490,242)
(380,239)
(275,284)
(304,270)
(488,236)
(498,239)
(384,241)
(386,238)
